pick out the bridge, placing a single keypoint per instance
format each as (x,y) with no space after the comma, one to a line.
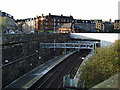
(72,45)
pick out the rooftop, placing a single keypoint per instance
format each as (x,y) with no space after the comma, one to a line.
(58,16)
(4,14)
(65,25)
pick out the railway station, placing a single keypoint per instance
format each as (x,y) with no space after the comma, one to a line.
(60,71)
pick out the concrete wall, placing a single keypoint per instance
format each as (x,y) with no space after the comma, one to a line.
(106,39)
(22,53)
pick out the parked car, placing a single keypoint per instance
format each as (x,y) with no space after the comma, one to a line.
(32,31)
(18,32)
(11,32)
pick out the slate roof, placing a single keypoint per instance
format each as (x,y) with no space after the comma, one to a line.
(57,16)
(117,21)
(65,25)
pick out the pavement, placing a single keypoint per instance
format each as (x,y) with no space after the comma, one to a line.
(28,79)
(112,83)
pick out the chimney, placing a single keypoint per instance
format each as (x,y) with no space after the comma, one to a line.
(49,14)
(70,16)
(42,16)
(61,15)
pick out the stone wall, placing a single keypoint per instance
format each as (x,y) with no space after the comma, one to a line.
(22,53)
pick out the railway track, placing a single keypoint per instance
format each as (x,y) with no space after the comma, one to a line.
(53,79)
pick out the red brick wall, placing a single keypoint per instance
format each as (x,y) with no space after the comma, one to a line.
(50,22)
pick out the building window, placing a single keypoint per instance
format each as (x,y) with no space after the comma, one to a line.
(46,19)
(46,23)
(58,20)
(54,19)
(58,23)
(67,20)
(73,21)
(64,20)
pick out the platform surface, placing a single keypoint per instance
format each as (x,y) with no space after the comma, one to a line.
(28,79)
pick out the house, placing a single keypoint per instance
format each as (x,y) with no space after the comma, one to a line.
(65,28)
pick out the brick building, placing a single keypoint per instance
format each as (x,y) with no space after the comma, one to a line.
(49,22)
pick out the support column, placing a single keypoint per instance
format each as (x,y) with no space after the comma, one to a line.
(54,44)
(64,50)
(78,49)
(93,46)
(79,46)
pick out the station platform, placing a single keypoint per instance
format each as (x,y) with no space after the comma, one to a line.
(28,79)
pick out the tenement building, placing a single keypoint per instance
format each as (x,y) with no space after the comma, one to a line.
(8,22)
(117,25)
(85,25)
(28,25)
(108,26)
(99,25)
(49,22)
(89,26)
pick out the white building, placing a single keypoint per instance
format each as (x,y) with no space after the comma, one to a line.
(29,25)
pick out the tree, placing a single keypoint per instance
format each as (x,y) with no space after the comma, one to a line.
(3,23)
(100,66)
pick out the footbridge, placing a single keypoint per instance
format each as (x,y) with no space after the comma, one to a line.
(72,45)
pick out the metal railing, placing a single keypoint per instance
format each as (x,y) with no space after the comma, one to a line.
(68,45)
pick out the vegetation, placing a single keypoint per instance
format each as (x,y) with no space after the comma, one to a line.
(3,23)
(100,66)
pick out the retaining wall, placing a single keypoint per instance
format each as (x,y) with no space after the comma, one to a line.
(21,53)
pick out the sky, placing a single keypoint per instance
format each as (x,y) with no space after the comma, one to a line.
(79,9)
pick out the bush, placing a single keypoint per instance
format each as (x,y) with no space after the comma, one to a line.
(101,66)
